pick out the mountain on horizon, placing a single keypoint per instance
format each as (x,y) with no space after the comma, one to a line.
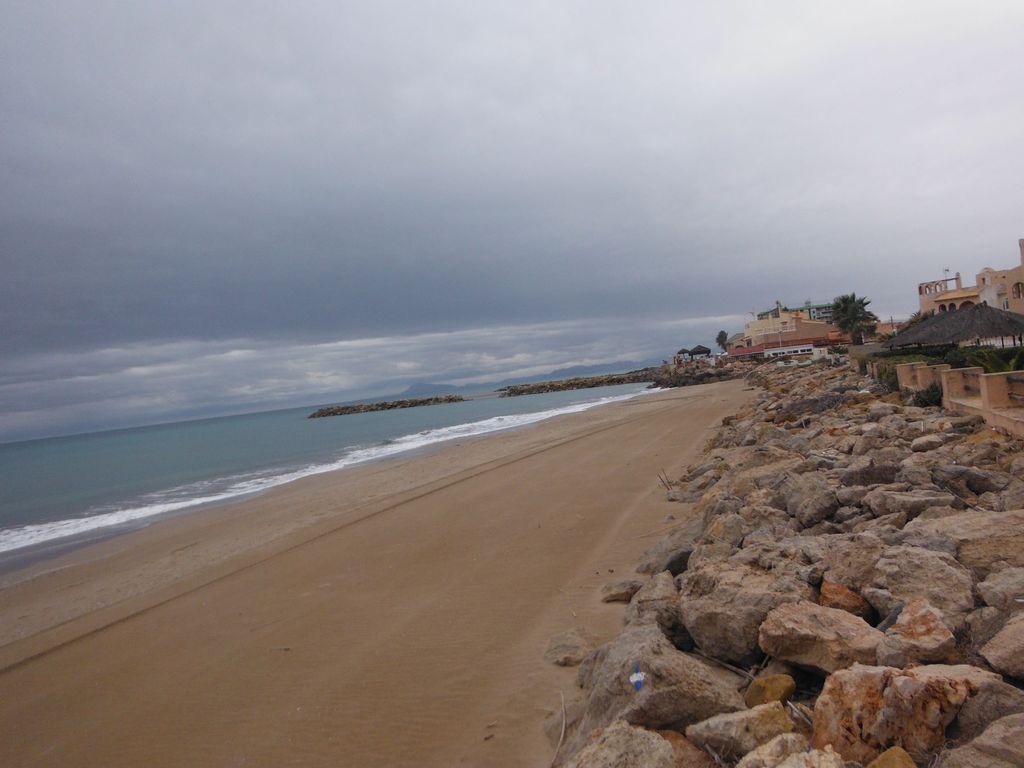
(431,388)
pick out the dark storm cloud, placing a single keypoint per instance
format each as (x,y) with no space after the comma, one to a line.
(198,173)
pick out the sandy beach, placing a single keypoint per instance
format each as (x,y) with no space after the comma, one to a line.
(394,614)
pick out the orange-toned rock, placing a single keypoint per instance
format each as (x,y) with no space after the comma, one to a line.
(835,595)
(919,635)
(769,688)
(863,711)
(894,757)
(687,755)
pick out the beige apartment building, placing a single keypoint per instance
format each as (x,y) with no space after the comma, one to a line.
(786,326)
(1002,289)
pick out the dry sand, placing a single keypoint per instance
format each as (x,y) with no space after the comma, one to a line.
(390,615)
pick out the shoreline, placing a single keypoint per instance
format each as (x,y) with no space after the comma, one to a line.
(41,550)
(451,520)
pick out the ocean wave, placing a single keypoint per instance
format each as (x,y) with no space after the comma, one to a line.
(219,490)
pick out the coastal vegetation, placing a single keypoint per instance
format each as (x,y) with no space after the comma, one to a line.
(344,410)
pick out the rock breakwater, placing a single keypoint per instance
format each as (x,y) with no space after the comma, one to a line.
(638,376)
(343,410)
(665,376)
(859,556)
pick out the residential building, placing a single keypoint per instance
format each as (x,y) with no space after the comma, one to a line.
(809,309)
(782,332)
(1002,289)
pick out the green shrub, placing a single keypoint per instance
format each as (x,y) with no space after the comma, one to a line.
(956,358)
(887,377)
(996,360)
(927,397)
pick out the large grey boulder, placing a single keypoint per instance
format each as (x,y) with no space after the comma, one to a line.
(773,752)
(981,538)
(1000,746)
(723,604)
(809,497)
(905,573)
(1004,589)
(676,689)
(1005,651)
(655,601)
(735,734)
(812,635)
(869,472)
(622,745)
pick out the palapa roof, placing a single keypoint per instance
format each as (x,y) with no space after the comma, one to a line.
(683,351)
(976,322)
(700,350)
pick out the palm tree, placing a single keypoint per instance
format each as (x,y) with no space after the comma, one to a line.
(850,314)
(918,317)
(721,339)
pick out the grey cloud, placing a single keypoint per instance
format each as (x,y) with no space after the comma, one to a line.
(196,173)
(126,386)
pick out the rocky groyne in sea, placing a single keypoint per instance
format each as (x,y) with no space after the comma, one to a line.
(638,376)
(846,589)
(664,376)
(343,410)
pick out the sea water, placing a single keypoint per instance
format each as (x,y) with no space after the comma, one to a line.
(58,488)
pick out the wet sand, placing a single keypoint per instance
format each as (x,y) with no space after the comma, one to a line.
(389,615)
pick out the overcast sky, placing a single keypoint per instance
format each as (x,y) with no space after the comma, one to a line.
(209,206)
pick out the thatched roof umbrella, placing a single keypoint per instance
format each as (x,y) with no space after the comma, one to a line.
(700,351)
(977,322)
(683,351)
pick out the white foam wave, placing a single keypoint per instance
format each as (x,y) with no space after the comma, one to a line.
(202,493)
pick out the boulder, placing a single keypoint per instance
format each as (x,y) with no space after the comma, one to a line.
(1004,589)
(981,539)
(812,635)
(993,700)
(769,688)
(569,648)
(723,604)
(837,596)
(904,573)
(1000,746)
(672,553)
(620,591)
(927,443)
(676,689)
(911,503)
(1005,651)
(622,745)
(809,498)
(686,754)
(863,711)
(816,758)
(773,752)
(850,560)
(869,472)
(919,635)
(734,735)
(894,757)
(655,601)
